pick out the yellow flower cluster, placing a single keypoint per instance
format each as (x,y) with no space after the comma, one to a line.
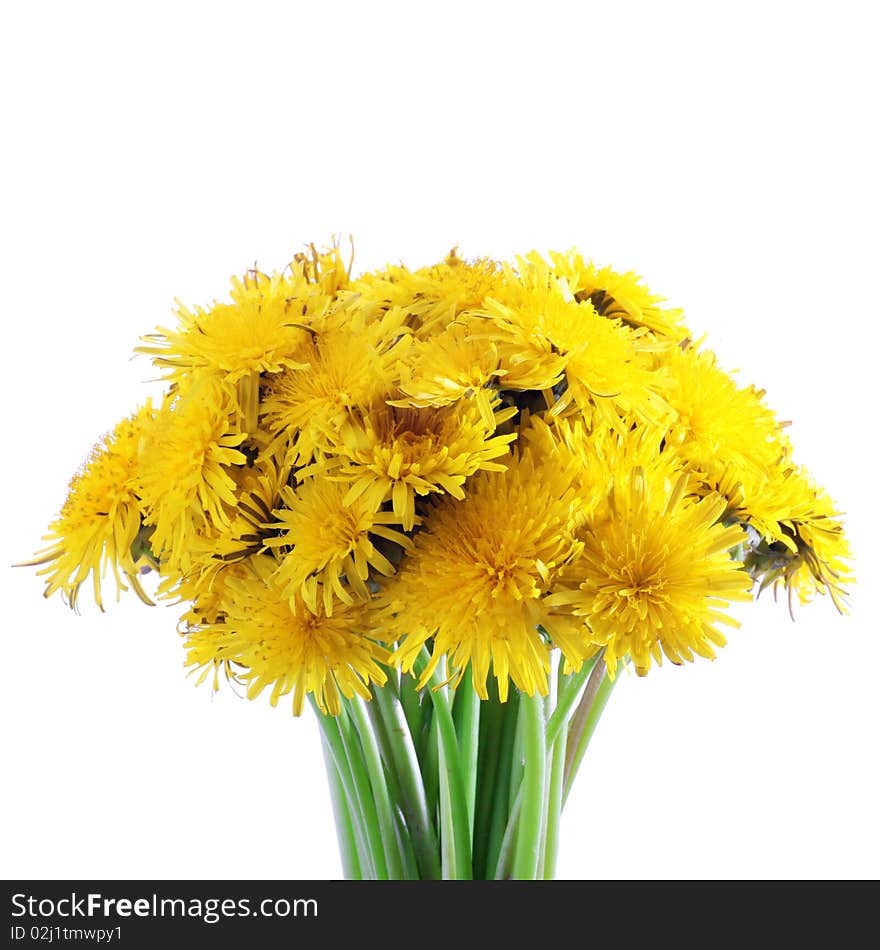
(470,464)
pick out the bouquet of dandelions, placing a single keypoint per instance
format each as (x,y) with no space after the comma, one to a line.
(446,506)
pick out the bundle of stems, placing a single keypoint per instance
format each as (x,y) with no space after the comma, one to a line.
(440,784)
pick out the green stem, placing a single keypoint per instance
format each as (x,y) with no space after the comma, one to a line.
(351,865)
(500,808)
(503,868)
(410,864)
(447,819)
(534,757)
(584,721)
(423,729)
(569,688)
(383,738)
(413,800)
(516,760)
(379,786)
(491,726)
(556,753)
(355,755)
(420,715)
(469,739)
(413,702)
(332,738)
(454,826)
(387,750)
(431,766)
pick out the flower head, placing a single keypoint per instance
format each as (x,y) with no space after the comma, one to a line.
(656,568)
(100,524)
(796,539)
(217,548)
(330,545)
(395,454)
(546,337)
(475,581)
(432,297)
(305,406)
(260,330)
(185,462)
(275,643)
(455,364)
(600,457)
(716,421)
(622,297)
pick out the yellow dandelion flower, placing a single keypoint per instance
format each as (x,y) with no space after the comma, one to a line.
(544,337)
(654,574)
(599,457)
(609,377)
(474,583)
(432,297)
(205,614)
(795,536)
(217,547)
(100,523)
(822,564)
(206,600)
(455,364)
(328,546)
(259,331)
(736,448)
(718,422)
(259,492)
(185,456)
(345,370)
(395,454)
(621,297)
(287,649)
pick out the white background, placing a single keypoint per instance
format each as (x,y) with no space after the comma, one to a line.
(725,152)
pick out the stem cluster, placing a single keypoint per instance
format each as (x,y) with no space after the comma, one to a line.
(438,784)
